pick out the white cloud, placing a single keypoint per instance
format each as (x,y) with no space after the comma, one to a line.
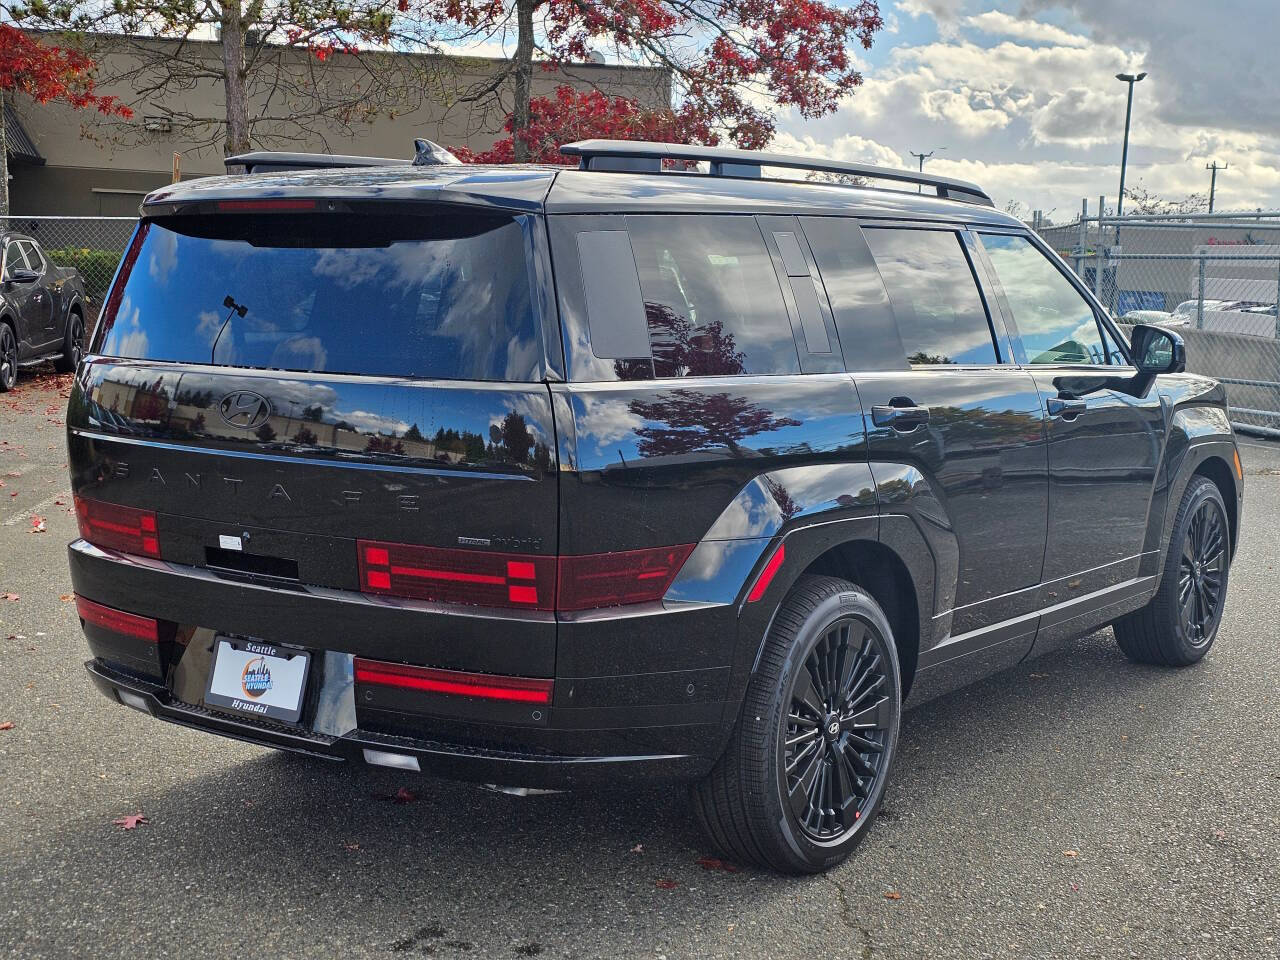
(999,24)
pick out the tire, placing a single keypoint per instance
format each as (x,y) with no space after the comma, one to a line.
(72,344)
(1178,626)
(8,358)
(742,805)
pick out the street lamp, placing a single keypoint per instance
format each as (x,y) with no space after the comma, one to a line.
(1130,79)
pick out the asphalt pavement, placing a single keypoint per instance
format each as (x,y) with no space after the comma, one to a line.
(1076,806)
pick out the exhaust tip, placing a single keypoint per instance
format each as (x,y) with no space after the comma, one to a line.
(383,758)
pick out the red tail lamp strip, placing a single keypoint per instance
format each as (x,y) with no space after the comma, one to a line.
(116,527)
(453,682)
(118,621)
(613,579)
(767,574)
(457,576)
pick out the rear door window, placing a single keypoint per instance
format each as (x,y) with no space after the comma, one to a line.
(441,296)
(1054,320)
(712,301)
(940,315)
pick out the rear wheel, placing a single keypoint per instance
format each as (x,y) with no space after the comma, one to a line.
(72,346)
(8,358)
(1180,623)
(805,769)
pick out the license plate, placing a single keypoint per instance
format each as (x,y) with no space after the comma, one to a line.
(258,679)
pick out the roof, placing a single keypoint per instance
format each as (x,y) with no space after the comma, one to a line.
(18,143)
(556,189)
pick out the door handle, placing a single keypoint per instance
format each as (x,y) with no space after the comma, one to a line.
(900,418)
(1067,409)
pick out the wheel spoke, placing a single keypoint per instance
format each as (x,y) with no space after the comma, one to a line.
(806,694)
(869,717)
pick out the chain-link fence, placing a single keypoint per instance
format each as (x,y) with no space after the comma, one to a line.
(93,245)
(1213,277)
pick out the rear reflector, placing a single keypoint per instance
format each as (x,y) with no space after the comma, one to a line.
(453,682)
(767,574)
(614,579)
(457,576)
(118,621)
(110,525)
(254,206)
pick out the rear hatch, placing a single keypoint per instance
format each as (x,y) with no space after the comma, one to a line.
(339,400)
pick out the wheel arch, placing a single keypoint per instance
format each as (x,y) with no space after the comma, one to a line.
(877,569)
(1215,469)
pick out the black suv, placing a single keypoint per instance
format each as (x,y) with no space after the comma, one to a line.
(42,309)
(544,477)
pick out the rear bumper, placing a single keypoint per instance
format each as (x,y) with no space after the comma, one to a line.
(598,729)
(452,761)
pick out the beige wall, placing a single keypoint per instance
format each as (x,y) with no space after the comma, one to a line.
(104,169)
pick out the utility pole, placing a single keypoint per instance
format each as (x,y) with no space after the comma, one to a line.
(922,157)
(1213,179)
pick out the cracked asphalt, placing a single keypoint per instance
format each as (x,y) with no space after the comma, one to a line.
(1075,806)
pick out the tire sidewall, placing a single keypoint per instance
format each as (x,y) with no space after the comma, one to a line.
(807,854)
(1185,649)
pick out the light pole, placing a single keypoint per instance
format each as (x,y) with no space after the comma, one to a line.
(1130,79)
(922,157)
(1213,179)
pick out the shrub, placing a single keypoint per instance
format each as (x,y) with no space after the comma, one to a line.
(96,266)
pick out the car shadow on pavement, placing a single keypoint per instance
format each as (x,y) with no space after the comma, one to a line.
(290,853)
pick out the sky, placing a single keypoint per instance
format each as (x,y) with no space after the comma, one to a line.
(1020,96)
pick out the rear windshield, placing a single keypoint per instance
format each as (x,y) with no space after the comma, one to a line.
(443,296)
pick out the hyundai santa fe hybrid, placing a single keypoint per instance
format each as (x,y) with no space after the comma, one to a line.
(546,477)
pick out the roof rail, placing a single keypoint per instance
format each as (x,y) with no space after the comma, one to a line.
(642,156)
(426,153)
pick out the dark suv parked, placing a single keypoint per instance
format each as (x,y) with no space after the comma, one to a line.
(544,477)
(41,310)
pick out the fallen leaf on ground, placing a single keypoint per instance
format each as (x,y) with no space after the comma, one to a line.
(130,821)
(1071,853)
(893,895)
(11,597)
(7,725)
(662,883)
(37,524)
(67,597)
(638,848)
(401,796)
(715,863)
(351,846)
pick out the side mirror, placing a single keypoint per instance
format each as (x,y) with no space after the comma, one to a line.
(1156,350)
(22,276)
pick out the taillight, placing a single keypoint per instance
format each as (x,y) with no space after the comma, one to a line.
(614,579)
(518,581)
(110,525)
(457,576)
(453,682)
(118,621)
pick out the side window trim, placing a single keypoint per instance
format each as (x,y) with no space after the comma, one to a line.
(1017,354)
(35,256)
(808,307)
(958,231)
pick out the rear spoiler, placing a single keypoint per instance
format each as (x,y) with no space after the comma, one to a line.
(426,153)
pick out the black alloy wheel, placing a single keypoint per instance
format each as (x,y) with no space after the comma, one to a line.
(1178,626)
(1202,572)
(836,731)
(73,347)
(805,770)
(8,358)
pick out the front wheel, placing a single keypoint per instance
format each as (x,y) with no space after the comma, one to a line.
(1180,623)
(805,769)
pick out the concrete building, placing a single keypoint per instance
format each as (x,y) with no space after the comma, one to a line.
(66,162)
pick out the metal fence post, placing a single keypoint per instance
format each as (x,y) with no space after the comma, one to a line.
(1200,297)
(1084,236)
(1278,304)
(1100,262)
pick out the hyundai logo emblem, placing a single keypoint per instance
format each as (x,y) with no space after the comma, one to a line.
(834,728)
(245,409)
